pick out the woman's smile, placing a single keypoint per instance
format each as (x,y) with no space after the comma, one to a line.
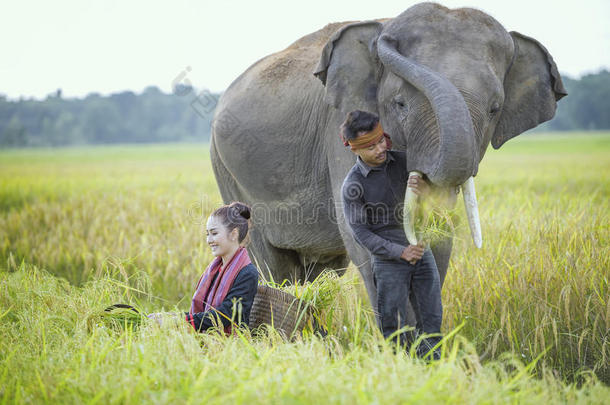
(219,238)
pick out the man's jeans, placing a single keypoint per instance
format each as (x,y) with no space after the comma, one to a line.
(394,279)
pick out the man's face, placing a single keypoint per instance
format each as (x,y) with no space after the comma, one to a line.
(373,155)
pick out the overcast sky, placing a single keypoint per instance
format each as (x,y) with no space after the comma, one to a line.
(109,46)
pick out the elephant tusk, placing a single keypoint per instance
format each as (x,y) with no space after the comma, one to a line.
(408,212)
(472,211)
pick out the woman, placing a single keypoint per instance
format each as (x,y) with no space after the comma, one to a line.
(226,289)
(225,292)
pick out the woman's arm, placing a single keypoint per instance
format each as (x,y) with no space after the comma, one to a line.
(242,292)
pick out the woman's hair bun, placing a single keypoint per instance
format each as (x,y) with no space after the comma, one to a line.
(235,215)
(242,209)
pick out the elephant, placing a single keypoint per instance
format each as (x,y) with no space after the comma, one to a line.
(444,82)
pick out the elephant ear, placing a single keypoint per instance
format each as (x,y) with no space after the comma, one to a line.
(348,67)
(532,88)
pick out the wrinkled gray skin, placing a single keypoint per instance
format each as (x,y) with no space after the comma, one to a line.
(444,82)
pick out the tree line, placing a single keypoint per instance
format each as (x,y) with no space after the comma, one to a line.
(587,106)
(186,115)
(126,117)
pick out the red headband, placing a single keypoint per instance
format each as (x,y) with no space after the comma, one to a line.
(367,139)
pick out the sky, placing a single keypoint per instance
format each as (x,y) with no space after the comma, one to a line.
(110,46)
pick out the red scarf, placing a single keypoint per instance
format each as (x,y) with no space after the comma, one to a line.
(208,295)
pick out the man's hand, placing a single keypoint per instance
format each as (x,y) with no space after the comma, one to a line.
(418,185)
(412,253)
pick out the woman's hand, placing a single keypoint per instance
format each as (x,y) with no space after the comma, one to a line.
(161,317)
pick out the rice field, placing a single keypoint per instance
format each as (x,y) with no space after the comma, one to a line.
(526,318)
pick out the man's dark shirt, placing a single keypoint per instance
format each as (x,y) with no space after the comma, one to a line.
(373,203)
(242,291)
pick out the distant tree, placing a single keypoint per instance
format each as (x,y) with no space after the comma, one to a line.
(125,117)
(14,134)
(587,105)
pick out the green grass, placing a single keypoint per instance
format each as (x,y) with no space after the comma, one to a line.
(124,224)
(541,280)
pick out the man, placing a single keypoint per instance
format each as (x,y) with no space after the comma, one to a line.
(373,195)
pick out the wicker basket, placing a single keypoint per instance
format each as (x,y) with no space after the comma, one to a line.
(285,312)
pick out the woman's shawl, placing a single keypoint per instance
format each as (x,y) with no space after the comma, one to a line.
(208,295)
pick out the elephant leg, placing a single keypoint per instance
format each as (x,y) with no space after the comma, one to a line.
(314,267)
(270,260)
(442,253)
(366,272)
(413,318)
(362,260)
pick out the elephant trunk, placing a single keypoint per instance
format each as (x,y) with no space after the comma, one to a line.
(470,203)
(457,151)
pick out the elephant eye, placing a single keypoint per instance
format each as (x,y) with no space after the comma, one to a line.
(495,107)
(399,100)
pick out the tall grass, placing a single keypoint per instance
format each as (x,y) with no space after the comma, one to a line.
(125,224)
(89,211)
(541,281)
(55,348)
